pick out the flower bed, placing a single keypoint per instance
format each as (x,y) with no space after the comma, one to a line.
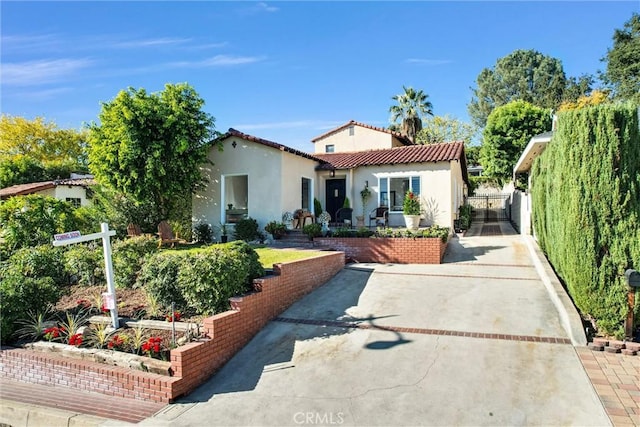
(190,364)
(392,246)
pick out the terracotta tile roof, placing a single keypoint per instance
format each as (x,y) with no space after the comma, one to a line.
(33,187)
(398,155)
(398,135)
(237,133)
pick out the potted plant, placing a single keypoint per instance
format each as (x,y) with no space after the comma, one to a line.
(287,219)
(324,218)
(411,210)
(276,229)
(312,230)
(365,194)
(223,233)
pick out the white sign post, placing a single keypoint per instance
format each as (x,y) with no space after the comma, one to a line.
(105,234)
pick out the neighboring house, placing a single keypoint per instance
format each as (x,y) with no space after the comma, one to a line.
(521,210)
(262,179)
(76,191)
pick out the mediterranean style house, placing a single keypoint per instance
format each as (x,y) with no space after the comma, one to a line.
(253,177)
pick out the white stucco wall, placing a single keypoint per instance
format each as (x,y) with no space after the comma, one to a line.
(274,181)
(361,140)
(436,191)
(61,192)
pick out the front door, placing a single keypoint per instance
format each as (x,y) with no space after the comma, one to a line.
(336,190)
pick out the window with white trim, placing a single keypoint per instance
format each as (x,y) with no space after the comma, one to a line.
(393,189)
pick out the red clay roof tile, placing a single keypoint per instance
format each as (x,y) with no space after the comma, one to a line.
(398,155)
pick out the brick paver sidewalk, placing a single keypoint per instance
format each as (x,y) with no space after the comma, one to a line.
(616,379)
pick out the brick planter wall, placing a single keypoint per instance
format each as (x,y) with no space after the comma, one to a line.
(193,363)
(388,249)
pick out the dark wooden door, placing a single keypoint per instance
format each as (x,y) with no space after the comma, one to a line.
(335,194)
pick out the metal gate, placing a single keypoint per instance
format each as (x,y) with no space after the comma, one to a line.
(490,207)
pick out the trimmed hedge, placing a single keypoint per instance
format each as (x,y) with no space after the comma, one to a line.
(586,208)
(204,279)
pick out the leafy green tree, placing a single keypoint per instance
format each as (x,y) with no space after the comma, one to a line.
(623,61)
(509,129)
(150,146)
(41,141)
(525,75)
(408,114)
(578,87)
(473,154)
(446,129)
(35,150)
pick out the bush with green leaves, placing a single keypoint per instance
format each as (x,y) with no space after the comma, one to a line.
(586,208)
(33,220)
(30,280)
(159,278)
(85,264)
(203,233)
(312,230)
(129,256)
(465,215)
(247,229)
(276,229)
(208,278)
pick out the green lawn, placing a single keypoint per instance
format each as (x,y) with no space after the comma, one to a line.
(268,256)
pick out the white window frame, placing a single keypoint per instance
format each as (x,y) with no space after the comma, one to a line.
(387,177)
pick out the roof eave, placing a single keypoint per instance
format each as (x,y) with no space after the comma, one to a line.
(534,148)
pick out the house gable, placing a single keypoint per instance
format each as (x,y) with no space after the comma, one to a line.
(355,136)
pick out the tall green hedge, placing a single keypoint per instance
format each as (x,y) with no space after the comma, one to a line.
(586,207)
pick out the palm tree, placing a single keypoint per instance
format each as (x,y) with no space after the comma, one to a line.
(412,106)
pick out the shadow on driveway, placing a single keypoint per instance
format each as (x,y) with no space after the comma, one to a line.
(320,315)
(456,252)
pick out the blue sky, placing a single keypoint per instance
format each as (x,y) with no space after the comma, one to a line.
(283,70)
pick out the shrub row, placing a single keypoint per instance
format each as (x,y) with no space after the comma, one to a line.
(586,208)
(203,280)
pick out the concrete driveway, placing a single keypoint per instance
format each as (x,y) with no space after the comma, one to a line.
(474,341)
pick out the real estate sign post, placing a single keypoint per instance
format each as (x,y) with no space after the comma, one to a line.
(72,237)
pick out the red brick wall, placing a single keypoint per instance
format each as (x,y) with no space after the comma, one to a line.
(388,250)
(192,363)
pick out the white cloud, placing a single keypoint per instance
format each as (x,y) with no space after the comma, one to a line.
(41,71)
(29,42)
(266,8)
(218,61)
(143,43)
(421,61)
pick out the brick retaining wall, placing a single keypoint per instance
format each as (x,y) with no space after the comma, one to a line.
(403,250)
(193,363)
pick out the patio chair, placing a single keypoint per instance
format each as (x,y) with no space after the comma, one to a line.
(380,216)
(165,232)
(133,230)
(300,218)
(343,215)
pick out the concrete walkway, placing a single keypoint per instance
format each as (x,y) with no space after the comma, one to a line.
(478,340)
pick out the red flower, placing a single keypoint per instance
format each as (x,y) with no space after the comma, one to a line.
(116,341)
(75,340)
(175,317)
(52,333)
